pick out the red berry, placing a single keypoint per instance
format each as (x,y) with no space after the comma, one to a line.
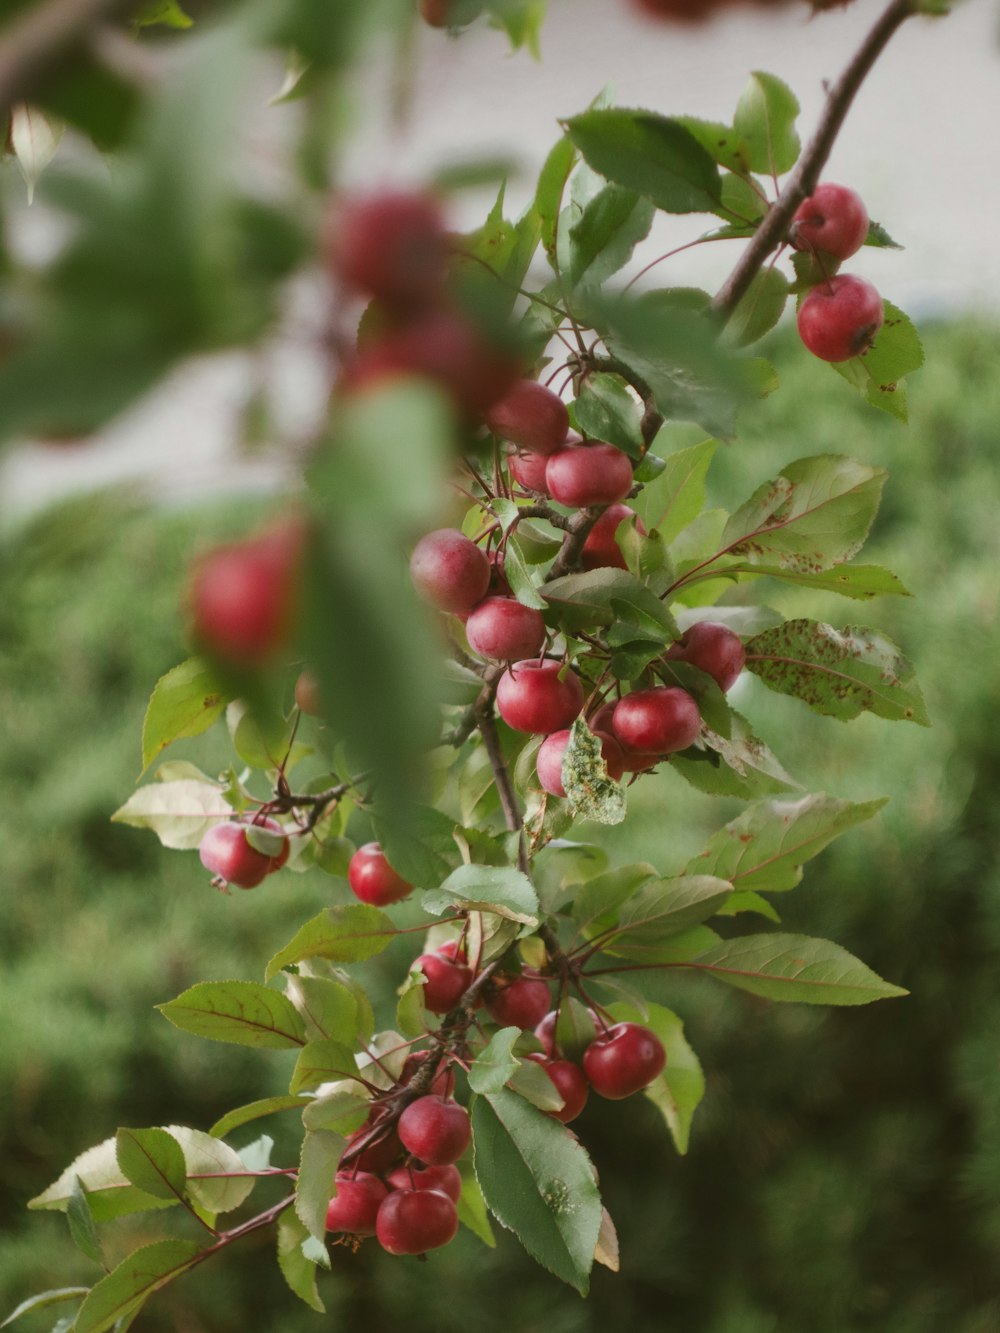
(226,852)
(571,1084)
(530,416)
(588,474)
(521,1004)
(601,550)
(449,13)
(447,1179)
(435,1130)
(539,697)
(243,597)
(378,1156)
(355,1205)
(714,649)
(450,571)
(373,879)
(623,1060)
(839,319)
(548,765)
(502,628)
(528,470)
(447,981)
(657,721)
(413,1221)
(391,245)
(833,219)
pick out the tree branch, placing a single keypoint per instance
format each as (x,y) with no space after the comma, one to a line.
(42,36)
(803,180)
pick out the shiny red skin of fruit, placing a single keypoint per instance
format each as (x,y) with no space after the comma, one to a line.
(528,470)
(391,245)
(355,1206)
(588,474)
(447,1179)
(307,694)
(657,721)
(414,1221)
(450,571)
(548,764)
(502,629)
(623,1060)
(534,697)
(435,1130)
(522,1004)
(530,416)
(640,762)
(499,587)
(372,878)
(600,550)
(446,983)
(243,596)
(571,1084)
(225,851)
(714,649)
(840,318)
(379,1156)
(833,219)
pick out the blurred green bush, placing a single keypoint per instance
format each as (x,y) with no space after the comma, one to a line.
(844,1173)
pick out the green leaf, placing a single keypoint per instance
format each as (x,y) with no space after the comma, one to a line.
(794,968)
(179,813)
(109,1193)
(840,673)
(518,575)
(677,495)
(322,1062)
(44,1299)
(605,410)
(243,1115)
(575,1029)
(82,1226)
(342,934)
(749,901)
(298,1271)
(128,1287)
(661,910)
(499,889)
(167,12)
(584,600)
(153,1161)
(185,702)
(418,842)
(765,848)
(815,514)
(243,1012)
(765,121)
(680,1088)
(651,154)
(721,142)
(411,1016)
(748,769)
(549,192)
(859,582)
(342,1110)
(879,238)
(760,309)
(877,375)
(597,903)
(472,1209)
(499,248)
(520,19)
(264,743)
(602,241)
(495,1063)
(591,793)
(539,1183)
(327,1006)
(208,1156)
(321,1152)
(529,1080)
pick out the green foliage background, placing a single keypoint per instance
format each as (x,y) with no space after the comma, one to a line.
(844,1172)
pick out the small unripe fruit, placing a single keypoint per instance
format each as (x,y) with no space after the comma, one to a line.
(447,1179)
(571,1084)
(450,571)
(447,981)
(601,550)
(548,764)
(355,1206)
(528,470)
(435,1130)
(833,219)
(623,1060)
(372,878)
(414,1221)
(591,474)
(657,721)
(530,416)
(521,1004)
(539,697)
(391,245)
(714,649)
(839,319)
(502,629)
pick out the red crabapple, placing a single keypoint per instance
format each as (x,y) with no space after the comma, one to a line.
(571,1084)
(503,629)
(355,1206)
(522,1003)
(539,697)
(839,318)
(530,416)
(435,1130)
(622,1060)
(528,470)
(450,571)
(226,852)
(447,981)
(833,219)
(601,550)
(657,721)
(588,474)
(548,764)
(447,1179)
(414,1221)
(378,1156)
(390,245)
(713,648)
(372,878)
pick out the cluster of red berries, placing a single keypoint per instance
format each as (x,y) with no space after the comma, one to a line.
(841,314)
